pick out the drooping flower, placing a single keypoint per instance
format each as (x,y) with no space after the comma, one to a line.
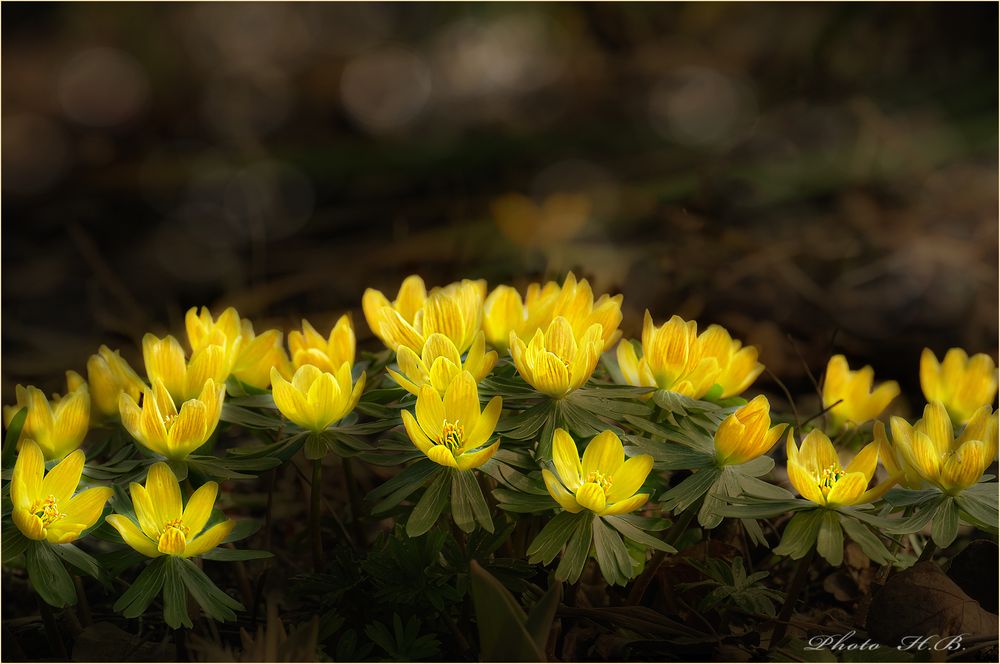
(738,365)
(555,362)
(59,426)
(44,504)
(315,399)
(603,482)
(184,379)
(163,429)
(747,433)
(815,471)
(930,449)
(108,375)
(440,362)
(671,359)
(452,430)
(849,395)
(961,383)
(310,347)
(165,525)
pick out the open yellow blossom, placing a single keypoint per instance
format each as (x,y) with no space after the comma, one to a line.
(184,379)
(738,365)
(163,429)
(555,362)
(603,482)
(258,354)
(108,375)
(858,402)
(315,399)
(815,471)
(930,449)
(59,426)
(671,359)
(961,383)
(44,507)
(440,362)
(747,433)
(166,526)
(455,310)
(575,302)
(452,430)
(309,346)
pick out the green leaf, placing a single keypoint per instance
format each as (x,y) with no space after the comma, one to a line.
(427,510)
(146,587)
(762,465)
(518,502)
(228,555)
(248,418)
(48,576)
(577,550)
(866,539)
(978,509)
(80,560)
(550,541)
(213,601)
(13,542)
(687,493)
(400,487)
(749,507)
(668,455)
(542,614)
(503,633)
(467,502)
(524,425)
(900,497)
(944,527)
(752,486)
(830,539)
(11,438)
(175,612)
(800,534)
(612,556)
(638,536)
(316,447)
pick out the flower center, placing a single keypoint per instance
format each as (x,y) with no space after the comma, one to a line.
(168,420)
(600,479)
(47,510)
(177,524)
(829,477)
(452,435)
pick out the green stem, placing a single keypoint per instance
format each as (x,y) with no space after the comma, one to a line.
(674,535)
(315,495)
(929,549)
(52,630)
(354,500)
(897,544)
(795,588)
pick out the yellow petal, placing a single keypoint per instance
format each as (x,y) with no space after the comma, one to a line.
(486,424)
(470,460)
(430,411)
(848,489)
(187,433)
(566,459)
(965,466)
(461,401)
(817,452)
(146,511)
(559,493)
(627,505)
(133,536)
(930,376)
(26,484)
(629,477)
(290,401)
(62,480)
(29,524)
(85,507)
(925,457)
(805,483)
(628,362)
(591,496)
(208,540)
(865,461)
(164,491)
(199,507)
(442,455)
(71,420)
(171,542)
(416,434)
(604,454)
(164,360)
(549,375)
(411,296)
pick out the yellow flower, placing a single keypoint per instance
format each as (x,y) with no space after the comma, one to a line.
(258,354)
(858,403)
(452,430)
(315,399)
(575,303)
(815,472)
(931,451)
(166,525)
(162,429)
(183,379)
(455,310)
(962,384)
(248,357)
(503,313)
(604,482)
(309,346)
(440,362)
(44,507)
(738,365)
(555,362)
(108,375)
(671,359)
(893,458)
(747,433)
(59,426)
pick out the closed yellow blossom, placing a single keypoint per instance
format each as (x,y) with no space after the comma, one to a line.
(895,460)
(575,302)
(165,525)
(603,482)
(961,383)
(108,375)
(503,313)
(738,365)
(455,310)
(452,430)
(310,347)
(440,362)
(747,433)
(258,354)
(815,471)
(671,359)
(315,399)
(930,449)
(555,362)
(44,507)
(849,395)
(184,379)
(59,426)
(163,429)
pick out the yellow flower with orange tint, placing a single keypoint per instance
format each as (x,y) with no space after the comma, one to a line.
(248,356)
(439,363)
(258,354)
(310,347)
(165,525)
(315,399)
(555,362)
(849,395)
(747,433)
(108,375)
(44,507)
(738,365)
(59,426)
(184,379)
(814,470)
(575,302)
(671,359)
(961,383)
(160,427)
(602,482)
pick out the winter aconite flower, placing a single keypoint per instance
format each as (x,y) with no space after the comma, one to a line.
(108,376)
(849,395)
(59,426)
(455,310)
(184,379)
(249,356)
(961,383)
(671,359)
(603,482)
(738,365)
(555,362)
(440,362)
(814,470)
(575,302)
(44,507)
(747,433)
(315,399)
(930,449)
(452,431)
(161,428)
(166,526)
(327,354)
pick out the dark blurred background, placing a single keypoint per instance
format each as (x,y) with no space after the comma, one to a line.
(820,172)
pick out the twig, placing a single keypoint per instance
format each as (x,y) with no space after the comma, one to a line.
(315,494)
(794,590)
(354,500)
(788,395)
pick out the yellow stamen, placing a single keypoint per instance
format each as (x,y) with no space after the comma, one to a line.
(47,510)
(600,479)
(829,477)
(452,435)
(177,524)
